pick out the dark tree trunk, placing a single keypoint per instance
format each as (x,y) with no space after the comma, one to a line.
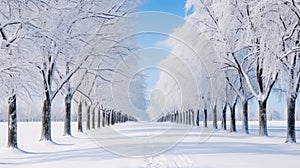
(291,101)
(112,118)
(126,118)
(12,122)
(88,118)
(224,117)
(232,118)
(108,118)
(291,133)
(197,117)
(46,119)
(93,118)
(205,118)
(103,118)
(245,117)
(79,119)
(190,117)
(186,117)
(99,118)
(179,118)
(193,118)
(67,121)
(68,101)
(263,130)
(215,120)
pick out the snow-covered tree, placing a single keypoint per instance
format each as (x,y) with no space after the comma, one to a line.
(16,75)
(289,37)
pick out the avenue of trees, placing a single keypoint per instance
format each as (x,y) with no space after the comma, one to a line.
(67,48)
(249,49)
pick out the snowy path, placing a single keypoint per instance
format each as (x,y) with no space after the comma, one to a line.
(222,149)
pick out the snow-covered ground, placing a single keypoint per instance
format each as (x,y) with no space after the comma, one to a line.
(111,147)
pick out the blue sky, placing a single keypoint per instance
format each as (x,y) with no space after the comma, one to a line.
(175,7)
(171,6)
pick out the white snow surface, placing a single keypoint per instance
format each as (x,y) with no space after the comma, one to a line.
(221,150)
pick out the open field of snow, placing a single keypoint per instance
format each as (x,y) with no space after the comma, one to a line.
(221,149)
